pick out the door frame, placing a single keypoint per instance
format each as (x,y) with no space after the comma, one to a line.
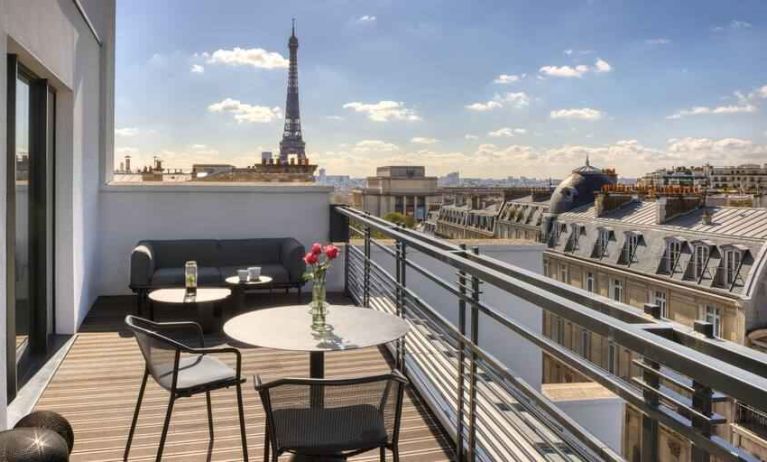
(41,177)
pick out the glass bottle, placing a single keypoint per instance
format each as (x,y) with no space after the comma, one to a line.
(190,277)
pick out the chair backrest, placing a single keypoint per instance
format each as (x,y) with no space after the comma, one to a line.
(161,353)
(382,393)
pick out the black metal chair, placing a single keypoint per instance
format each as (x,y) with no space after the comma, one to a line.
(332,418)
(183,370)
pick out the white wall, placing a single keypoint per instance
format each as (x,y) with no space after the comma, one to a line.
(601,417)
(131,213)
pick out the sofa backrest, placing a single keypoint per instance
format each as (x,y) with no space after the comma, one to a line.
(174,253)
(235,252)
(216,253)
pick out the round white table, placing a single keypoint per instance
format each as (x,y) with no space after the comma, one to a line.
(289,328)
(204,299)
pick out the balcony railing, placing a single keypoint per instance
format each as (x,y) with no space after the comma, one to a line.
(490,413)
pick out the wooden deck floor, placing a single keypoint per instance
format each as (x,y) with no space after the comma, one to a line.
(97,385)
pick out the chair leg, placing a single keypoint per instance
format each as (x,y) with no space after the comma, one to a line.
(210,415)
(165,427)
(266,442)
(242,423)
(135,414)
(395,453)
(383,453)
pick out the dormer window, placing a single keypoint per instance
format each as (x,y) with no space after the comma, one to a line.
(633,239)
(733,258)
(576,229)
(603,239)
(700,255)
(673,252)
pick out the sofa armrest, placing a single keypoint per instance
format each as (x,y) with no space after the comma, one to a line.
(292,258)
(142,265)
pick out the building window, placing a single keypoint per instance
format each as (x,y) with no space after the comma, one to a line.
(673,251)
(700,259)
(589,283)
(616,290)
(732,258)
(546,271)
(560,338)
(602,240)
(564,275)
(585,345)
(629,249)
(612,358)
(713,314)
(658,297)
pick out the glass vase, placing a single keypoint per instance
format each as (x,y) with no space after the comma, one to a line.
(319,307)
(190,277)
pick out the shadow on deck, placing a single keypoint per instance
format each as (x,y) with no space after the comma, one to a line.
(96,387)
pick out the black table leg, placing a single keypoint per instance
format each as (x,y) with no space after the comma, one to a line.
(207,316)
(317,364)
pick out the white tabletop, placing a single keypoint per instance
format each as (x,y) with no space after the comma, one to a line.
(289,328)
(235,280)
(179,296)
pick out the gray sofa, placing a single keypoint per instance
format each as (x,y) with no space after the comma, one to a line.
(160,263)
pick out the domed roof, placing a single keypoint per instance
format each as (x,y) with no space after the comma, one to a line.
(578,189)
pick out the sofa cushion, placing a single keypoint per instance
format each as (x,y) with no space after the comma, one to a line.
(174,277)
(277,272)
(251,252)
(173,254)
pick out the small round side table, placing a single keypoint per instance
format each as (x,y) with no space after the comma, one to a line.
(239,287)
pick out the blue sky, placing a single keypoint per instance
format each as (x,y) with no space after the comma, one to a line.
(491,89)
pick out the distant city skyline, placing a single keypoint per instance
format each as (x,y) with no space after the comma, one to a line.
(490,89)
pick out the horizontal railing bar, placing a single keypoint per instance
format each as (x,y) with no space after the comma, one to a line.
(740,384)
(678,402)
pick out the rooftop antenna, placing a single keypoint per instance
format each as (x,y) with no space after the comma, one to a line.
(587,161)
(294,26)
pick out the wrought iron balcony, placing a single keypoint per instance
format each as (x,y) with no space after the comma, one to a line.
(488,411)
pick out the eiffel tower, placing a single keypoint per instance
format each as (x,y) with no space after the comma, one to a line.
(292,141)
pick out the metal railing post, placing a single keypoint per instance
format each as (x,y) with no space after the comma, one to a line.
(702,400)
(347,291)
(366,266)
(473,369)
(459,453)
(400,266)
(649,425)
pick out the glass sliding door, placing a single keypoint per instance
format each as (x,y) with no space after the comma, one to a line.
(29,246)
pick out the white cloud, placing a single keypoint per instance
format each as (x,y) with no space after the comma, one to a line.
(733,25)
(517,100)
(564,71)
(707,149)
(255,57)
(366,19)
(423,140)
(658,41)
(246,113)
(197,69)
(600,66)
(505,79)
(704,110)
(334,117)
(199,146)
(127,131)
(507,132)
(585,113)
(514,99)
(384,111)
(484,107)
(568,52)
(469,136)
(375,145)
